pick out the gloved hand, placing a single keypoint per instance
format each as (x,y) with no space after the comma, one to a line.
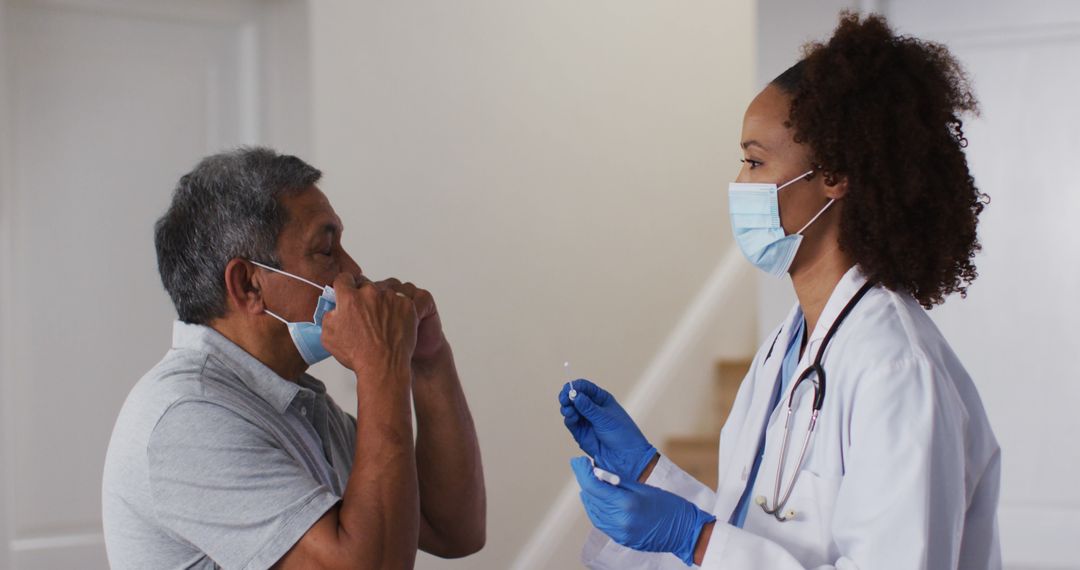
(604,430)
(640,516)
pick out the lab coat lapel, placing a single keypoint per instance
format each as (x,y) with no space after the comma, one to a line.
(845,289)
(746,447)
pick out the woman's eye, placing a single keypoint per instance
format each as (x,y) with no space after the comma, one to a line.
(751,163)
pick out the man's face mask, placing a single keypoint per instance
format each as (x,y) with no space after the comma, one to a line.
(308,336)
(755,219)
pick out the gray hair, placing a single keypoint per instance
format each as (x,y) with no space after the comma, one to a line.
(227,207)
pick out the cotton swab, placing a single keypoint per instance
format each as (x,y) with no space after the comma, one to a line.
(566,371)
(607,477)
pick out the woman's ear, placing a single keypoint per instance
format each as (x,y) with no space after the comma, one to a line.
(835,186)
(242,288)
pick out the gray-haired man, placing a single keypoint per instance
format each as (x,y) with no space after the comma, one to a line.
(227,454)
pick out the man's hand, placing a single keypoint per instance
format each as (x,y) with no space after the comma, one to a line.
(371,327)
(429,333)
(453,502)
(372,331)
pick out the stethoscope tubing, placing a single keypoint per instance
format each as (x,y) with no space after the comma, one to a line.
(818,370)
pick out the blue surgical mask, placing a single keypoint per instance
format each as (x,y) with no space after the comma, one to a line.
(308,336)
(755,220)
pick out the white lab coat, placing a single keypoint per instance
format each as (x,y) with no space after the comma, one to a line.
(903,470)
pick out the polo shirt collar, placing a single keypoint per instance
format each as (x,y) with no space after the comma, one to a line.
(258,377)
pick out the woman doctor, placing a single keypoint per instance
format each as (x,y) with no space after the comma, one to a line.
(855,184)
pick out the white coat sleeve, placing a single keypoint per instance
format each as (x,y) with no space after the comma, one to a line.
(902,498)
(602,553)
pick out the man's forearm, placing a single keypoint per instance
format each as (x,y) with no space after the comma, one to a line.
(380,510)
(451,477)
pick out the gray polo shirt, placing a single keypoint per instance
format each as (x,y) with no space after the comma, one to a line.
(216,461)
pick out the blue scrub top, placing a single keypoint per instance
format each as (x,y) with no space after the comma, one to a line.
(787,370)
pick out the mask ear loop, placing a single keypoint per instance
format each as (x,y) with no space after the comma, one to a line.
(272,314)
(818,215)
(287,274)
(275,315)
(784,185)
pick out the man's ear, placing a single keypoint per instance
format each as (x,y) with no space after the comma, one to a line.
(242,288)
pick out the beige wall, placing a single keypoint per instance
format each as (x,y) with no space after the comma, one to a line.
(555,172)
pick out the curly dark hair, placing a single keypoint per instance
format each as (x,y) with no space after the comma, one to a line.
(883,111)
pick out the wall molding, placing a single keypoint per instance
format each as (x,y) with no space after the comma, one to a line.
(217,11)
(696,318)
(57,541)
(60,551)
(1010,35)
(7,264)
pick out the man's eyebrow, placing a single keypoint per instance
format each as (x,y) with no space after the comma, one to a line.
(750,143)
(333,228)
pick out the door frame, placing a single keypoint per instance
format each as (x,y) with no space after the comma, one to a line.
(7,265)
(276,112)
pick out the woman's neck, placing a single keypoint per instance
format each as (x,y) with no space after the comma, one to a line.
(814,281)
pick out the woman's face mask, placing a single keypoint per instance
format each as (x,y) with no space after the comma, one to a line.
(755,220)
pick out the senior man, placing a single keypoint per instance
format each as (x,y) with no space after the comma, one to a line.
(227,454)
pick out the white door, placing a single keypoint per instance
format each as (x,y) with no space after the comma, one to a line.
(1021,321)
(108,102)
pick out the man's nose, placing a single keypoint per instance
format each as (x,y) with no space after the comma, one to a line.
(349,265)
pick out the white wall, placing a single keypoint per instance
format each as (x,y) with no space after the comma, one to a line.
(555,172)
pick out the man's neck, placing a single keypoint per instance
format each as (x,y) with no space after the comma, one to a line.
(815,281)
(275,352)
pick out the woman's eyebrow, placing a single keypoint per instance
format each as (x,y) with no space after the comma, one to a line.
(747,144)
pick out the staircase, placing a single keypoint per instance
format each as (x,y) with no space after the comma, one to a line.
(687,347)
(698,454)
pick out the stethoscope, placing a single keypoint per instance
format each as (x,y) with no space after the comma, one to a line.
(815,369)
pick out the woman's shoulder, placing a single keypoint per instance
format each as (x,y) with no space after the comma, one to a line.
(893,327)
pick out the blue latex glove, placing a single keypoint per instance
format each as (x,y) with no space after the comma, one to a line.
(604,430)
(640,516)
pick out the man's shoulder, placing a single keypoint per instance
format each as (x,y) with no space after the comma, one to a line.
(182,375)
(125,486)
